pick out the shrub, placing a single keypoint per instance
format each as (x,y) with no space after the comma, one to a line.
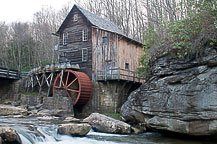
(183,38)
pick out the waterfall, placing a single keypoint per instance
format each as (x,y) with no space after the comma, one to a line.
(34,131)
(48,135)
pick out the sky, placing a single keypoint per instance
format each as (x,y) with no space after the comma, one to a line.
(23,10)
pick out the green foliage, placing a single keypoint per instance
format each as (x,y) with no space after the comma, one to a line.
(184,37)
(143,62)
(113,115)
(27,68)
(29,93)
(149,38)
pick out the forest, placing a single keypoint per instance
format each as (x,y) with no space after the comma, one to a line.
(156,23)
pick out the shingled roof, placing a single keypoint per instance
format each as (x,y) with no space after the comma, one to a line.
(96,21)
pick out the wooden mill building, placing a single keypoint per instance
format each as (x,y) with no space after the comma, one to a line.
(104,53)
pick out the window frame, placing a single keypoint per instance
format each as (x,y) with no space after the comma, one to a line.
(65,38)
(75,17)
(105,40)
(85,34)
(84,55)
(127,66)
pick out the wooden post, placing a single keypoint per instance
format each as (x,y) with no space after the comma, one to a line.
(105,74)
(112,73)
(38,80)
(128,74)
(46,79)
(50,85)
(61,79)
(7,73)
(32,82)
(42,81)
(19,75)
(119,73)
(96,75)
(133,76)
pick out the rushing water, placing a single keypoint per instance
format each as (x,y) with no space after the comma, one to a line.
(33,131)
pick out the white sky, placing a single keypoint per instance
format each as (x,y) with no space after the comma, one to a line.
(23,10)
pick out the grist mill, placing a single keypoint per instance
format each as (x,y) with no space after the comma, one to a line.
(96,70)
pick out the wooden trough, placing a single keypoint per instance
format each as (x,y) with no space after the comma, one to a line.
(63,79)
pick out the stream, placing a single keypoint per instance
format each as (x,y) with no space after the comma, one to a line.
(34,131)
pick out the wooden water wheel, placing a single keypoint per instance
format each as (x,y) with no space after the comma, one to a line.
(76,85)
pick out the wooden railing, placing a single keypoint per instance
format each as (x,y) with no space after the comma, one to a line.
(118,74)
(11,74)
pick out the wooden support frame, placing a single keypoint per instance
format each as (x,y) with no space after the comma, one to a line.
(118,74)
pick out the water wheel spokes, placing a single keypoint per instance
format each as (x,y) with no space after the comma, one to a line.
(68,81)
(74,84)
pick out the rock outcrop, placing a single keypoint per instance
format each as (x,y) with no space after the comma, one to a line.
(102,123)
(180,96)
(9,135)
(54,112)
(74,129)
(11,110)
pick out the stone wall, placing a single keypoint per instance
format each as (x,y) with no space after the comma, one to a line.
(8,88)
(56,102)
(180,96)
(109,96)
(106,97)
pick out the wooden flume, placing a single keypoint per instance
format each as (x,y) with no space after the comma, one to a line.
(63,79)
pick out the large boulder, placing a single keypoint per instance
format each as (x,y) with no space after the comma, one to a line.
(75,129)
(11,110)
(106,124)
(9,135)
(180,96)
(54,112)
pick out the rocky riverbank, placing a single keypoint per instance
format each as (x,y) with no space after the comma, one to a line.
(180,96)
(67,125)
(9,136)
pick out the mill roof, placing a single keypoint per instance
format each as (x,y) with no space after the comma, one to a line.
(96,21)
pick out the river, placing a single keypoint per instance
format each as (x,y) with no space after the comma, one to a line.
(34,131)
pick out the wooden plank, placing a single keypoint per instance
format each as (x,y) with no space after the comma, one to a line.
(50,84)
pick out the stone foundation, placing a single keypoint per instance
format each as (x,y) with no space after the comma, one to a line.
(180,96)
(51,103)
(109,96)
(8,88)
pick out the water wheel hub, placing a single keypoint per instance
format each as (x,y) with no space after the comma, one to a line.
(77,86)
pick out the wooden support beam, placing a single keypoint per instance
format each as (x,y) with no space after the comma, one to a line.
(47,78)
(43,77)
(61,78)
(50,84)
(38,80)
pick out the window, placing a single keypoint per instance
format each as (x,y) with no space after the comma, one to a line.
(127,66)
(105,40)
(65,37)
(84,55)
(84,34)
(75,17)
(56,47)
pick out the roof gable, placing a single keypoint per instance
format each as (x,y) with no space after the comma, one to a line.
(100,22)
(96,21)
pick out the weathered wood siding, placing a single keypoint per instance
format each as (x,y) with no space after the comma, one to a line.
(128,52)
(72,51)
(116,53)
(106,49)
(104,53)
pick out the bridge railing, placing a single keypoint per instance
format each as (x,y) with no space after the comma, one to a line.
(23,74)
(118,74)
(8,73)
(12,74)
